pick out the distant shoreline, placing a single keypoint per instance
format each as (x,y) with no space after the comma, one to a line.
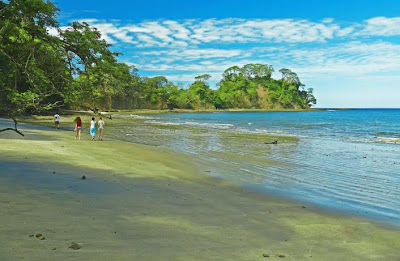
(145,111)
(155,111)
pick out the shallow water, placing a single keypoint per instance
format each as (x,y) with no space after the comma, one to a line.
(344,160)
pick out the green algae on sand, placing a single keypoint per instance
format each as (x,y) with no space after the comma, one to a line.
(161,207)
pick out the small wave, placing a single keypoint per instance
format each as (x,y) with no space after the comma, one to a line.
(194,124)
(163,123)
(389,140)
(264,131)
(134,116)
(357,140)
(387,134)
(208,124)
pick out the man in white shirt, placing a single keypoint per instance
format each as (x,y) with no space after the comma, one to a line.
(57,120)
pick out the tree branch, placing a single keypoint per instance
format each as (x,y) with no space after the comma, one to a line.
(13,129)
(17,131)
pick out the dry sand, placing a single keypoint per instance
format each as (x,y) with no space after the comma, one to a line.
(142,203)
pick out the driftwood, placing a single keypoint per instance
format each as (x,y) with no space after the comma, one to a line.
(108,117)
(13,129)
(272,142)
(98,112)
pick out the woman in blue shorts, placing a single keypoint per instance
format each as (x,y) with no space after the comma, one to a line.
(101,124)
(93,128)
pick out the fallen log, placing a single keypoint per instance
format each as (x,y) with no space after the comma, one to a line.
(272,142)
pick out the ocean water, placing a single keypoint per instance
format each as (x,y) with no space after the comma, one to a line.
(346,160)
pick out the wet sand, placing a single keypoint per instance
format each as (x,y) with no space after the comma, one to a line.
(144,203)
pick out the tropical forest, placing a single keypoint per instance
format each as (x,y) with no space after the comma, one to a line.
(46,66)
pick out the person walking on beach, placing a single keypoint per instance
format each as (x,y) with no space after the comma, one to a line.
(101,124)
(57,120)
(92,128)
(78,128)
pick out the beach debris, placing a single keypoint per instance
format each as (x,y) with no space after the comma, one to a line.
(272,142)
(31,235)
(74,246)
(83,177)
(281,255)
(303,206)
(40,236)
(265,255)
(54,248)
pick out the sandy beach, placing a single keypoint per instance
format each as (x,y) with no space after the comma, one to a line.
(143,203)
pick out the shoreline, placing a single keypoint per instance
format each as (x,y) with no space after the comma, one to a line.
(387,219)
(155,111)
(150,111)
(196,216)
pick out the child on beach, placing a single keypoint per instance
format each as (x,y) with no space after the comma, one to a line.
(57,120)
(92,128)
(101,124)
(78,128)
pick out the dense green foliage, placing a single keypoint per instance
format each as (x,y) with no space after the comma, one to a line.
(75,68)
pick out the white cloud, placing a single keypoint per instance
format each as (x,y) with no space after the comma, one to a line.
(194,32)
(381,26)
(53,31)
(328,20)
(353,59)
(194,54)
(231,30)
(178,30)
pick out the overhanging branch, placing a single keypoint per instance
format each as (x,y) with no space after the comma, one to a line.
(13,129)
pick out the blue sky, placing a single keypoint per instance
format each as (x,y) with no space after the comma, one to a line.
(348,51)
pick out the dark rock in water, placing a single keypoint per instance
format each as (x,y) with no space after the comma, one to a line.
(54,172)
(75,246)
(303,206)
(83,177)
(265,255)
(40,236)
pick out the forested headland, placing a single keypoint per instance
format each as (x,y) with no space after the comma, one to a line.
(75,69)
